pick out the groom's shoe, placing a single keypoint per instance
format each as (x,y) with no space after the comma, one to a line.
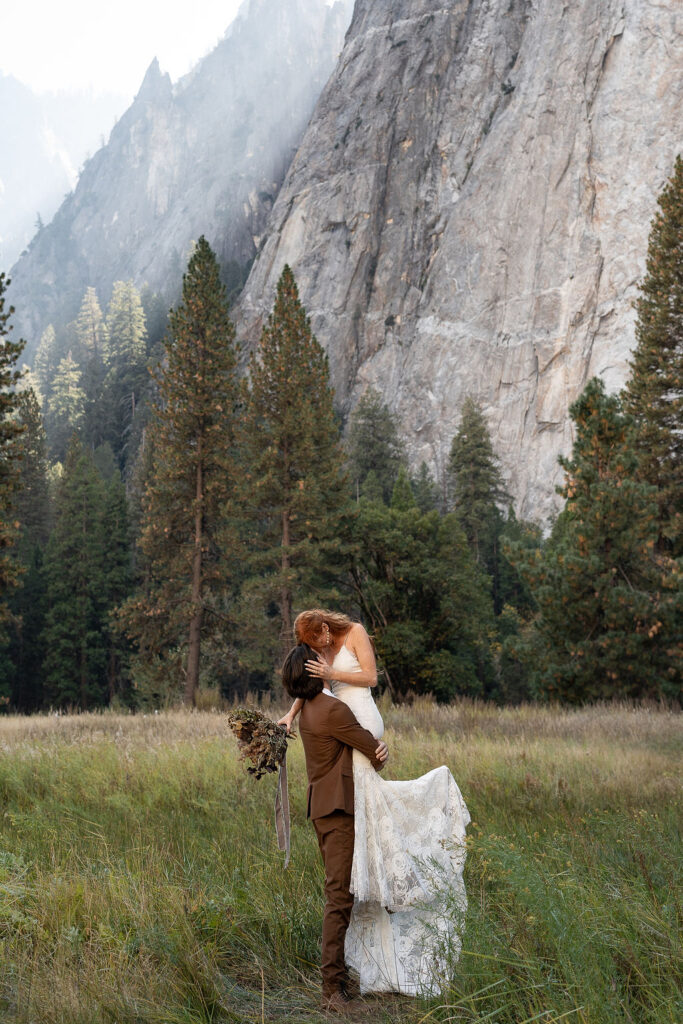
(341,1004)
(351,986)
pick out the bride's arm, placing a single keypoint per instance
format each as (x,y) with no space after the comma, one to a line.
(362,648)
(288,720)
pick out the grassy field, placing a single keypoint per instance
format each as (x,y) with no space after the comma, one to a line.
(140,880)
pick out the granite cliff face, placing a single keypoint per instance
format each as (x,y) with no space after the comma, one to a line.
(469,208)
(206,156)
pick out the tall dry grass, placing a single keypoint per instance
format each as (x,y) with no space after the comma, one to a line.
(140,881)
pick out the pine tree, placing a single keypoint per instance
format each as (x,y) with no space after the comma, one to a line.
(118,579)
(90,329)
(76,651)
(127,379)
(65,406)
(45,359)
(295,491)
(477,492)
(91,352)
(654,391)
(476,481)
(608,601)
(125,325)
(25,650)
(22,656)
(184,551)
(11,430)
(422,597)
(402,497)
(374,445)
(425,489)
(33,499)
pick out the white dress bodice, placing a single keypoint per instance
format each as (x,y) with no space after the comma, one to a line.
(358,698)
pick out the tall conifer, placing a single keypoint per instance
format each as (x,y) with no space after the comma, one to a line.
(76,650)
(183,553)
(90,328)
(374,446)
(654,391)
(10,452)
(477,491)
(608,601)
(296,492)
(127,378)
(65,406)
(24,652)
(45,359)
(422,597)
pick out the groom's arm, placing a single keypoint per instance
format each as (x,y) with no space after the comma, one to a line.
(345,728)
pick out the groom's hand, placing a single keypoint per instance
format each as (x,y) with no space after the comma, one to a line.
(382,752)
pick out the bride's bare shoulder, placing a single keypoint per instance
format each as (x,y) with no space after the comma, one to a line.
(357,639)
(356,632)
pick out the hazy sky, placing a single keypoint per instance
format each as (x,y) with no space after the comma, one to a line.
(107,46)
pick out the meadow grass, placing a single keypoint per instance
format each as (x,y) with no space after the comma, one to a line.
(140,881)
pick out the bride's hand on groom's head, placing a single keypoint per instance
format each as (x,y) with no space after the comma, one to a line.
(319,668)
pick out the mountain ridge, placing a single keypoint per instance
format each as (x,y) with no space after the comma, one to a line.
(204,157)
(468,213)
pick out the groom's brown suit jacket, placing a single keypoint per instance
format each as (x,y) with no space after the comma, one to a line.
(329,730)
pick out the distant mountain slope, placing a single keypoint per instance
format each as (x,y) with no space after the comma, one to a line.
(468,212)
(204,157)
(45,139)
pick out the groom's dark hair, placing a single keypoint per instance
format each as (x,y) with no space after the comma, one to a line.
(296,679)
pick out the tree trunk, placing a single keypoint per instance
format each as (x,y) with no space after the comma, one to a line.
(285,591)
(192,676)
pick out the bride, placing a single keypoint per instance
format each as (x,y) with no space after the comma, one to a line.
(409,852)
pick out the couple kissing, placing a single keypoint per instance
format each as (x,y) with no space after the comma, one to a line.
(393,851)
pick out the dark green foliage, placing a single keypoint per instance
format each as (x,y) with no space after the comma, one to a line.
(117,581)
(21,660)
(608,600)
(22,655)
(422,598)
(478,492)
(654,391)
(156,320)
(425,490)
(33,499)
(295,492)
(402,497)
(10,453)
(477,485)
(127,378)
(76,650)
(185,553)
(374,445)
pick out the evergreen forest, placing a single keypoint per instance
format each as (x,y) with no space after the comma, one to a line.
(168,505)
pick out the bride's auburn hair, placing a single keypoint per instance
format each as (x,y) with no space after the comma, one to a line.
(308,625)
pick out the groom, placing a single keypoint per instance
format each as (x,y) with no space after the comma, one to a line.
(329,730)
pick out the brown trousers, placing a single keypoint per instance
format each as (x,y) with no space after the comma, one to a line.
(335,834)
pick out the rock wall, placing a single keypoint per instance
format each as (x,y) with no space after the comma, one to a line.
(206,156)
(469,208)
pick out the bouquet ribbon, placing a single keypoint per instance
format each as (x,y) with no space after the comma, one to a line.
(282,823)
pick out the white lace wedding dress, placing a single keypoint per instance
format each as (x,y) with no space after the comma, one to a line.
(409,854)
